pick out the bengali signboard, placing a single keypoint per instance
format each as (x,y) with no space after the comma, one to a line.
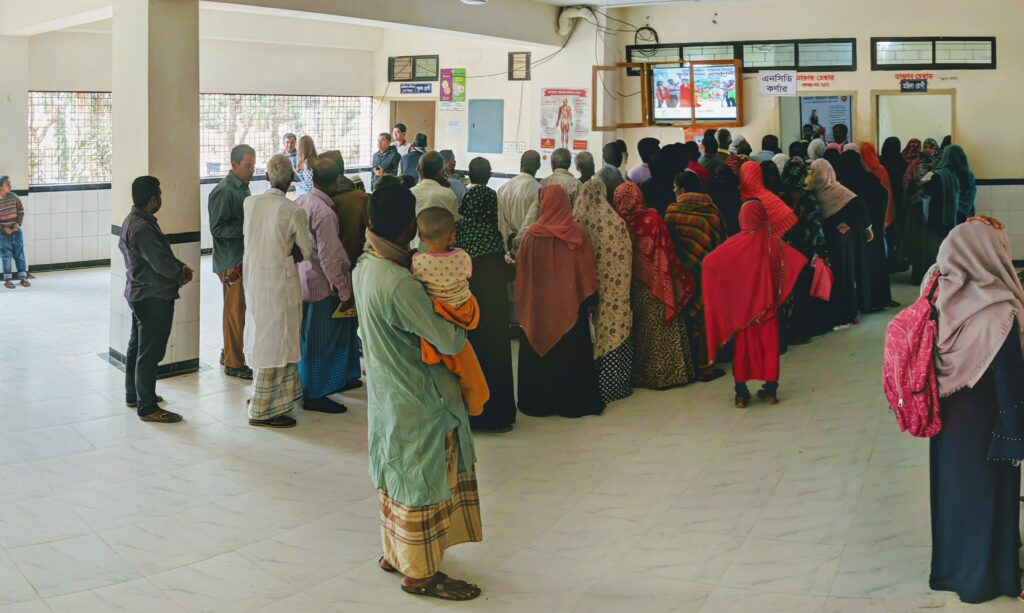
(777,82)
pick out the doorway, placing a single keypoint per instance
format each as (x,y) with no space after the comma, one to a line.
(418,116)
(908,116)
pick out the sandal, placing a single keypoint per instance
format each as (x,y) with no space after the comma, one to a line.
(741,401)
(9,284)
(133,404)
(711,376)
(24,282)
(767,396)
(389,568)
(161,416)
(281,421)
(443,587)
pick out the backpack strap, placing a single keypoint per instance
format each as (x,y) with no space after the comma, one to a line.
(933,287)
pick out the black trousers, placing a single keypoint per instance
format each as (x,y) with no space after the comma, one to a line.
(151,327)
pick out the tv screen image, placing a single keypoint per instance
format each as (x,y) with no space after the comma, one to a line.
(715,92)
(672,96)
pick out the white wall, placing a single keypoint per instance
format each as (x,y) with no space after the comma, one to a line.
(82,62)
(984,97)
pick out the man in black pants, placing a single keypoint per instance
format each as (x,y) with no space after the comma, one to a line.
(152,279)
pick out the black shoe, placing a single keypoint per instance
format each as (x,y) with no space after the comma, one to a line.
(241,373)
(495,429)
(324,405)
(133,404)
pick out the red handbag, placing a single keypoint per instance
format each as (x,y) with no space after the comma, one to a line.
(821,286)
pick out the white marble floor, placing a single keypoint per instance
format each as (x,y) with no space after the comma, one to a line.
(671,501)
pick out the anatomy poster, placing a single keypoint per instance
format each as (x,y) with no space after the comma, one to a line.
(564,119)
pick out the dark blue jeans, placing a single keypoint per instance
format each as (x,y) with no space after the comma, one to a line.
(151,328)
(13,246)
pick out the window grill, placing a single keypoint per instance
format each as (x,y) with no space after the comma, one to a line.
(69,137)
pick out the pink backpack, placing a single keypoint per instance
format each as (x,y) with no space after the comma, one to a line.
(909,373)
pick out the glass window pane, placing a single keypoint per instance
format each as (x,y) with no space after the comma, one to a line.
(708,52)
(903,52)
(426,68)
(401,69)
(768,55)
(656,54)
(826,54)
(963,52)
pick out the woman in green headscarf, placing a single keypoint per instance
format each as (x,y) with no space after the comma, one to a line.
(954,162)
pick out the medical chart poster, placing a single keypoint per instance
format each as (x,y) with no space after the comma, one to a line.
(564,119)
(453,89)
(827,111)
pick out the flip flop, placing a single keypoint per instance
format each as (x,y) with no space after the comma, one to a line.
(441,586)
(161,416)
(392,569)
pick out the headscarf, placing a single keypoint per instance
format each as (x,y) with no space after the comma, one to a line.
(832,155)
(780,160)
(869,155)
(771,178)
(832,196)
(737,139)
(697,229)
(555,272)
(816,149)
(979,299)
(659,191)
(613,251)
(954,159)
(851,147)
(794,173)
(477,230)
(655,263)
(913,150)
(895,167)
(752,187)
(748,277)
(834,147)
(734,162)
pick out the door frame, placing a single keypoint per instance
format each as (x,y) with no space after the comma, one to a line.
(392,107)
(876,93)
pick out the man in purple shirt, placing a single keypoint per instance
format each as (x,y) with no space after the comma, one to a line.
(152,279)
(330,353)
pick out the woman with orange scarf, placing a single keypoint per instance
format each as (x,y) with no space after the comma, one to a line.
(746,280)
(662,287)
(556,286)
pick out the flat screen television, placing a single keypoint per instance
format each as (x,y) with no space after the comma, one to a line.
(696,93)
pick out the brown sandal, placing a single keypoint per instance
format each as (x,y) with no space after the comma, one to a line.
(161,416)
(281,421)
(389,568)
(443,587)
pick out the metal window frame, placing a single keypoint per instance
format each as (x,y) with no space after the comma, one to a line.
(933,65)
(738,53)
(512,59)
(100,178)
(414,78)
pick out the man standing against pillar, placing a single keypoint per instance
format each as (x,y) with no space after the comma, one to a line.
(152,279)
(330,352)
(226,218)
(276,239)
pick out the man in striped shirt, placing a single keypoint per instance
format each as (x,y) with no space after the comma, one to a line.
(330,353)
(12,243)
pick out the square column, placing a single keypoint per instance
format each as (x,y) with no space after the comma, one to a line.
(156,132)
(14,111)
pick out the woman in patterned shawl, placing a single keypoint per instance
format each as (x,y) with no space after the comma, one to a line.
(613,317)
(661,289)
(696,227)
(477,234)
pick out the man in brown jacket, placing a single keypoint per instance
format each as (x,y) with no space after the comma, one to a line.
(350,205)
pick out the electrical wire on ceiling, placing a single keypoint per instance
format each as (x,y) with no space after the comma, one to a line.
(540,62)
(601,33)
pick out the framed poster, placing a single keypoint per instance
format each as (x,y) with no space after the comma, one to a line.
(564,119)
(827,111)
(453,89)
(708,93)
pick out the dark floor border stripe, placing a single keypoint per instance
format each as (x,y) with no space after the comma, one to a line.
(163,371)
(67,187)
(176,238)
(68,265)
(1000,181)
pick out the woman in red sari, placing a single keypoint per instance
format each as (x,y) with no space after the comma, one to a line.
(746,280)
(661,288)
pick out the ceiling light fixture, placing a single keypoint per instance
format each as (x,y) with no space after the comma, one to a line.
(474,2)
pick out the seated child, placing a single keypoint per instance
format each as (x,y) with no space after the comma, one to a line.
(445,273)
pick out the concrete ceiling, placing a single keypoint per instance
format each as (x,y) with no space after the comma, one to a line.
(626,3)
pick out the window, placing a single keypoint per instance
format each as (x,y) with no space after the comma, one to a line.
(68,137)
(933,52)
(831,54)
(413,68)
(334,122)
(519,66)
(769,55)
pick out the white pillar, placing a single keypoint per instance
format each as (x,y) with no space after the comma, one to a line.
(156,132)
(14,110)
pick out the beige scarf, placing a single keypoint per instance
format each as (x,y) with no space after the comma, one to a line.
(979,299)
(384,248)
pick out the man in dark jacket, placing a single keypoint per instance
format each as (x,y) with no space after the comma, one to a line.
(385,160)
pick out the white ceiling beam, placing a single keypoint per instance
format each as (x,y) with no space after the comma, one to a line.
(29,18)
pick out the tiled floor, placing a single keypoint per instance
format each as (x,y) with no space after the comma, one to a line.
(671,501)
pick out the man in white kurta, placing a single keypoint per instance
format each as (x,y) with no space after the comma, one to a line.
(276,232)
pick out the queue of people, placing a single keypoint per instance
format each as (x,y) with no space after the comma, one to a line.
(651,278)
